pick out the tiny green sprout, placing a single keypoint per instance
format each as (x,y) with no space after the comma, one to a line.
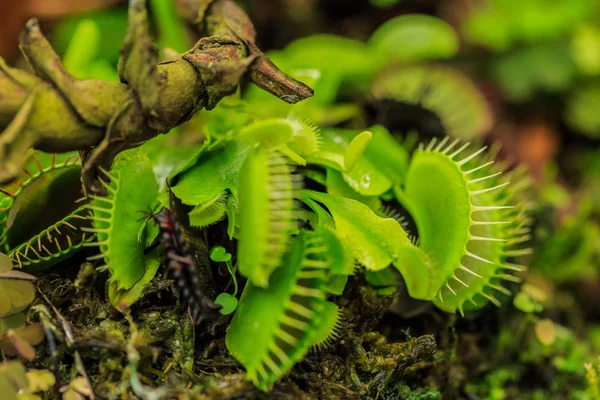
(219,254)
(228,302)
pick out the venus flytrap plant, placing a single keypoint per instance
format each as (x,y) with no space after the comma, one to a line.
(471,258)
(117,223)
(43,221)
(444,221)
(210,212)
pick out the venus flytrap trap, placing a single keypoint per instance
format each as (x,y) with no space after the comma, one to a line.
(435,99)
(471,258)
(282,317)
(209,212)
(116,219)
(267,214)
(43,221)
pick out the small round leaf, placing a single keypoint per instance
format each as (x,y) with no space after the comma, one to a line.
(219,254)
(228,303)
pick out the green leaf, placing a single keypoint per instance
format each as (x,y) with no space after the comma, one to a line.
(327,329)
(227,302)
(375,240)
(337,186)
(384,3)
(40,380)
(216,170)
(172,30)
(123,299)
(15,321)
(459,108)
(268,132)
(498,24)
(525,303)
(345,57)
(340,150)
(170,155)
(219,254)
(267,214)
(336,284)
(81,57)
(413,37)
(524,72)
(16,289)
(367,171)
(14,378)
(384,278)
(582,110)
(585,49)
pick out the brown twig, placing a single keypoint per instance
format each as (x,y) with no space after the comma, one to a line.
(54,112)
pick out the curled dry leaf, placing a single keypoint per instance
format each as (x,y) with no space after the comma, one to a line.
(20,342)
(16,290)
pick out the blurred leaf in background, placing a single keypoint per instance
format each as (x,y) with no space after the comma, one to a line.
(414,37)
(583,109)
(500,24)
(524,72)
(95,36)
